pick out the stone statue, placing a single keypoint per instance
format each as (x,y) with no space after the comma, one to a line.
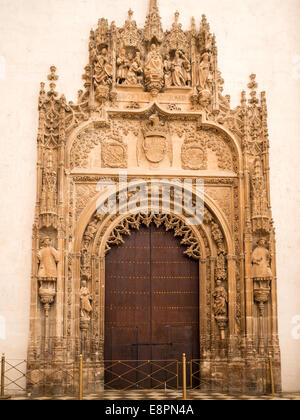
(48,258)
(85,301)
(123,65)
(221,299)
(203,73)
(154,63)
(168,71)
(178,72)
(49,184)
(103,69)
(261,260)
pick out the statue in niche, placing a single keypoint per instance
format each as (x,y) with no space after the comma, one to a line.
(204,76)
(261,261)
(103,69)
(179,76)
(154,63)
(123,66)
(168,71)
(221,299)
(85,301)
(48,258)
(135,72)
(49,183)
(259,201)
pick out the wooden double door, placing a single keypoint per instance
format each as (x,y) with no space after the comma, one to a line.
(152,301)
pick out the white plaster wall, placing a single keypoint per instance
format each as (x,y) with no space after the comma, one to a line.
(252,35)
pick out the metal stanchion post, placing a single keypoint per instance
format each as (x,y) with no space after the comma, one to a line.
(271,374)
(2,396)
(184,375)
(80,378)
(2,375)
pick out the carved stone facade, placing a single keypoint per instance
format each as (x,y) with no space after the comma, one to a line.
(152,105)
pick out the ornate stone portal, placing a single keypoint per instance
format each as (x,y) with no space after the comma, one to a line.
(152,105)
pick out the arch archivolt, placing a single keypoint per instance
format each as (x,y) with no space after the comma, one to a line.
(209,242)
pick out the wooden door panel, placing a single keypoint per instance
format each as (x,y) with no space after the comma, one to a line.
(152,288)
(127,301)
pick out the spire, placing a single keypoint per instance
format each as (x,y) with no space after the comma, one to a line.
(153,27)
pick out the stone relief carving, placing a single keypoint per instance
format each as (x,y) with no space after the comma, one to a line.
(224,197)
(196,144)
(194,153)
(170,222)
(84,193)
(134,75)
(114,152)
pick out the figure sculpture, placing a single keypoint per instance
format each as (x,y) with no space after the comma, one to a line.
(85,300)
(221,300)
(48,258)
(261,260)
(103,69)
(154,63)
(123,65)
(203,73)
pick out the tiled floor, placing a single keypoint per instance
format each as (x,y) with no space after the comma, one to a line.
(167,395)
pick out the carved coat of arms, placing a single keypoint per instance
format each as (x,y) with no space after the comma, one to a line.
(155,143)
(194,154)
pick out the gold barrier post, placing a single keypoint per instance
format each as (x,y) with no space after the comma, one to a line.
(80,378)
(271,374)
(184,375)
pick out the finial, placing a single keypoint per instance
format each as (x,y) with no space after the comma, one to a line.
(177,17)
(243,99)
(130,14)
(204,25)
(153,4)
(153,27)
(52,75)
(193,26)
(253,86)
